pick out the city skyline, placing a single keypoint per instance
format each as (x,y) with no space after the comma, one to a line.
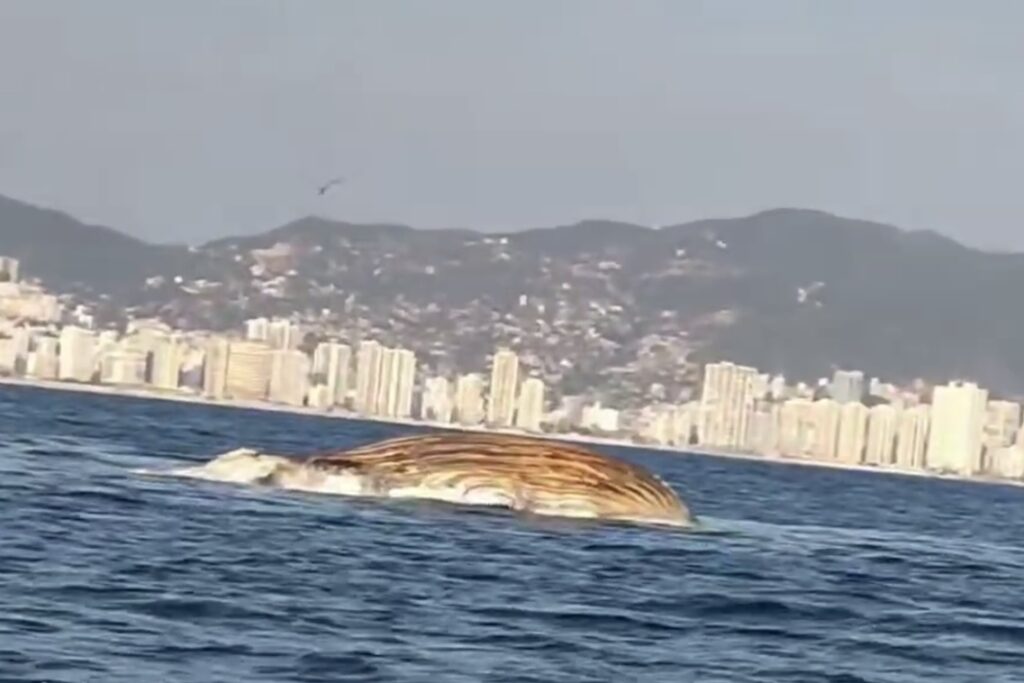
(844,420)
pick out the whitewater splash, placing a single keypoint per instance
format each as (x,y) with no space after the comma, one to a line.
(523,474)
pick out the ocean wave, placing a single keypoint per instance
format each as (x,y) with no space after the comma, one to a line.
(196,581)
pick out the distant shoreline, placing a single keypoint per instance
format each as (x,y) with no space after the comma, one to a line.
(195,399)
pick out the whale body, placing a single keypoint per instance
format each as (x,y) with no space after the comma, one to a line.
(525,474)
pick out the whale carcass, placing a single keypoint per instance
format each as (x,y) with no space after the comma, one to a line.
(527,474)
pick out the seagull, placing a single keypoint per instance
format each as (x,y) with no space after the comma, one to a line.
(326,186)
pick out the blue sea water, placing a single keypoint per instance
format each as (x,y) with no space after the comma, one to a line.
(803,574)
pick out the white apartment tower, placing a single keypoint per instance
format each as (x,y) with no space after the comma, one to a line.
(331,362)
(437,403)
(600,419)
(215,368)
(44,360)
(530,411)
(912,437)
(657,424)
(283,334)
(368,367)
(397,380)
(166,361)
(1002,420)
(125,366)
(958,418)
(289,377)
(77,354)
(827,416)
(727,401)
(248,371)
(15,350)
(853,433)
(501,404)
(763,430)
(469,399)
(847,386)
(257,329)
(881,446)
(796,427)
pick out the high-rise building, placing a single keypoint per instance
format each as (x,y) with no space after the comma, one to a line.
(530,411)
(1007,462)
(1002,420)
(319,397)
(321,359)
(596,417)
(727,401)
(847,386)
(146,337)
(289,376)
(77,361)
(1019,439)
(283,334)
(501,403)
(684,423)
(107,340)
(28,303)
(193,360)
(881,445)
(331,362)
(437,403)
(8,356)
(43,361)
(827,415)
(572,409)
(853,433)
(796,427)
(257,329)
(657,424)
(15,351)
(761,387)
(368,370)
(248,373)
(912,437)
(883,390)
(123,366)
(215,368)
(386,383)
(469,399)
(397,381)
(168,355)
(958,420)
(763,430)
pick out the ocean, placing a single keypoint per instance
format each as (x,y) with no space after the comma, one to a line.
(798,573)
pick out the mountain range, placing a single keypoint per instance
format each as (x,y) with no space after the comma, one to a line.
(795,291)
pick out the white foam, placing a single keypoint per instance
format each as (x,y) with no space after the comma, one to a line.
(250,467)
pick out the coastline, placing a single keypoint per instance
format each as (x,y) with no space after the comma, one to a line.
(694,449)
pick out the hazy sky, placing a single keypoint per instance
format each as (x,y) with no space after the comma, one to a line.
(187,119)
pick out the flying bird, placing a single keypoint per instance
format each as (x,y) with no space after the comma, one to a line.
(330,183)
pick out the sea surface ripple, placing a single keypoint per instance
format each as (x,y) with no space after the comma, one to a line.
(802,574)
